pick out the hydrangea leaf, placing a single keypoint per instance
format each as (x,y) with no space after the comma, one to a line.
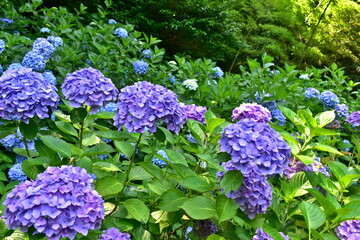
(231,181)
(137,209)
(151,169)
(176,157)
(108,186)
(198,183)
(329,208)
(313,215)
(98,149)
(325,118)
(125,147)
(66,128)
(225,208)
(172,200)
(199,207)
(272,232)
(57,144)
(138,173)
(29,130)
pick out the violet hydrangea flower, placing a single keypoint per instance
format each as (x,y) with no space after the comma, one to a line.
(299,166)
(349,230)
(251,111)
(342,110)
(34,60)
(329,99)
(61,202)
(195,112)
(14,66)
(90,87)
(24,94)
(49,76)
(114,234)
(261,235)
(354,119)
(144,106)
(251,142)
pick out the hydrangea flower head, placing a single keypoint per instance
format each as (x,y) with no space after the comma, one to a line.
(55,41)
(261,235)
(16,173)
(190,84)
(25,94)
(329,99)
(34,60)
(251,111)
(349,230)
(158,161)
(278,116)
(49,76)
(2,45)
(43,47)
(146,53)
(121,32)
(144,106)
(354,119)
(112,21)
(218,72)
(195,112)
(61,202)
(312,93)
(114,234)
(204,228)
(140,67)
(44,30)
(90,87)
(255,143)
(14,66)
(342,110)
(110,107)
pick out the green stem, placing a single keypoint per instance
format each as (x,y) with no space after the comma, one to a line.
(81,134)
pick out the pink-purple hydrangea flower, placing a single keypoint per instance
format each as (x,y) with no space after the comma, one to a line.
(251,111)
(349,230)
(90,87)
(195,112)
(25,94)
(354,119)
(144,106)
(114,234)
(61,202)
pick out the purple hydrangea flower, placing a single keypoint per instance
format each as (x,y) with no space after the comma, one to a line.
(43,47)
(261,235)
(342,110)
(44,30)
(90,87)
(121,32)
(61,202)
(34,60)
(312,93)
(349,230)
(55,41)
(251,142)
(299,166)
(14,66)
(49,76)
(114,234)
(254,195)
(2,45)
(158,161)
(25,94)
(329,99)
(195,112)
(354,119)
(140,67)
(112,21)
(204,228)
(16,173)
(146,53)
(218,72)
(144,106)
(251,111)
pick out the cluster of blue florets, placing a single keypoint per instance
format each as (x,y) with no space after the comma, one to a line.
(140,67)
(158,161)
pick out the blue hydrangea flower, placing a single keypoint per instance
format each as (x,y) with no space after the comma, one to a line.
(25,94)
(2,45)
(90,87)
(112,21)
(312,93)
(304,77)
(255,143)
(349,230)
(15,141)
(44,30)
(195,112)
(16,173)
(261,235)
(158,161)
(354,119)
(49,76)
(278,116)
(190,84)
(35,61)
(329,99)
(144,106)
(218,72)
(60,203)
(1,69)
(251,111)
(121,32)
(43,47)
(140,67)
(7,21)
(190,138)
(146,53)
(55,41)
(114,234)
(204,228)
(110,107)
(342,110)
(14,66)
(172,78)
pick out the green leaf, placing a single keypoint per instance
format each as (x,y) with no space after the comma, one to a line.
(329,208)
(183,170)
(66,128)
(159,187)
(314,216)
(102,115)
(325,118)
(63,117)
(160,135)
(176,157)
(138,173)
(137,210)
(322,132)
(29,130)
(213,123)
(215,237)
(85,163)
(3,177)
(199,207)
(197,183)
(196,130)
(98,150)
(152,169)
(272,232)
(78,115)
(337,169)
(225,208)
(106,166)
(114,135)
(90,139)
(209,115)
(350,211)
(348,178)
(168,135)
(108,186)
(231,181)
(32,169)
(172,200)
(305,159)
(307,118)
(57,144)
(125,148)
(325,148)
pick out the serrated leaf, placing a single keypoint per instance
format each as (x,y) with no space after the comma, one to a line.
(63,117)
(225,208)
(176,157)
(159,187)
(31,169)
(305,159)
(313,215)
(199,207)
(66,128)
(231,181)
(183,170)
(90,139)
(108,186)
(114,135)
(196,130)
(213,123)
(137,210)
(29,130)
(307,118)
(152,169)
(325,148)
(168,135)
(78,115)
(272,232)
(57,144)
(98,150)
(172,200)
(106,166)
(138,173)
(125,148)
(197,183)
(329,208)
